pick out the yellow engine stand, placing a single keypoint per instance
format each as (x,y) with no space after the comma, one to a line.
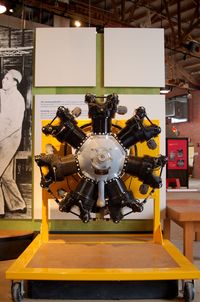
(107,257)
(71,257)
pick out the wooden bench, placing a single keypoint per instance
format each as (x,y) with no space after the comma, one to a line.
(186,213)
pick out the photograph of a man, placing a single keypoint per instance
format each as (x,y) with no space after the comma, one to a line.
(12,108)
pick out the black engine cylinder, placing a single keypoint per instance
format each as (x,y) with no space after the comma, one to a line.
(102,113)
(143,169)
(120,197)
(67,130)
(71,134)
(84,196)
(132,135)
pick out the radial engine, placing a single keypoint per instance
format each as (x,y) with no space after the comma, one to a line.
(101,158)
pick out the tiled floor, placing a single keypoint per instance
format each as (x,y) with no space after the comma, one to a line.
(176,238)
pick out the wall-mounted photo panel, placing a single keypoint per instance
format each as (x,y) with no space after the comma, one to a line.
(134,57)
(16,123)
(45,110)
(65,57)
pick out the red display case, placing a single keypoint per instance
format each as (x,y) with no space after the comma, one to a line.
(177,153)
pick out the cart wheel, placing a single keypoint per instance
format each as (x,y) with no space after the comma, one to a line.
(16,291)
(189,291)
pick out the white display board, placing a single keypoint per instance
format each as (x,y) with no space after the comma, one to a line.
(155,109)
(65,57)
(134,57)
(45,109)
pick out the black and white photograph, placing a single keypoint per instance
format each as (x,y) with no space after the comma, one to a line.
(16,54)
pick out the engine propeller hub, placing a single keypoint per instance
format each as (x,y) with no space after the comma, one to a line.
(101,157)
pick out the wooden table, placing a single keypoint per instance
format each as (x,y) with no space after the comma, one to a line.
(186,213)
(13,243)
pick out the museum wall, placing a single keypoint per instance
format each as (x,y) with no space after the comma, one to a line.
(30,222)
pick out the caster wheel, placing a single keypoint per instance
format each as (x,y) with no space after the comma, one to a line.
(189,292)
(16,291)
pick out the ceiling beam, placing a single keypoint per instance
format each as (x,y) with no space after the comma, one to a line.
(192,24)
(123,10)
(170,21)
(179,18)
(115,7)
(77,9)
(176,72)
(131,11)
(188,76)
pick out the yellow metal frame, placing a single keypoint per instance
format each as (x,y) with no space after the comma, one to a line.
(20,270)
(185,270)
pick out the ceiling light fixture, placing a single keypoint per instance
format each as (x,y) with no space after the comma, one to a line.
(165,90)
(77,23)
(3,8)
(189,95)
